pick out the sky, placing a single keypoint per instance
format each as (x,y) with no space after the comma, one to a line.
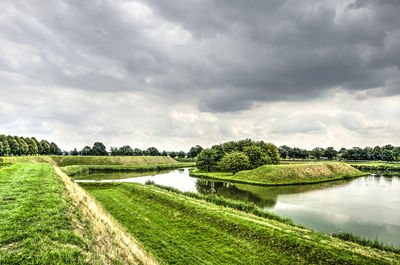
(173,74)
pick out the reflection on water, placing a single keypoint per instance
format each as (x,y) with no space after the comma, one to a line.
(368,206)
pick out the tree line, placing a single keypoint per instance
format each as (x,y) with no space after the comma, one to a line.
(384,153)
(99,149)
(235,156)
(22,146)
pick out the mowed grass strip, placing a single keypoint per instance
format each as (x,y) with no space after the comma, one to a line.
(35,219)
(287,174)
(178,229)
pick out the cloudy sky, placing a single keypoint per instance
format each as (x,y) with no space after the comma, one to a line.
(173,74)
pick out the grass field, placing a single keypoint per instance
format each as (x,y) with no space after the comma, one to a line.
(36,219)
(287,174)
(47,219)
(178,229)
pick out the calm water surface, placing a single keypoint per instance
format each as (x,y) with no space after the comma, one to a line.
(367,206)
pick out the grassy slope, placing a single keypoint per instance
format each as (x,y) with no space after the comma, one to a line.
(35,218)
(181,230)
(288,174)
(113,160)
(47,219)
(85,169)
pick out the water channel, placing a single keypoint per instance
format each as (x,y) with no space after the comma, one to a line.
(368,206)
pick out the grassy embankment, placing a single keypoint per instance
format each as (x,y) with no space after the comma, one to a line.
(377,166)
(179,229)
(45,218)
(73,166)
(286,174)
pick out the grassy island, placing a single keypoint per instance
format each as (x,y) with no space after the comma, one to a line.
(286,174)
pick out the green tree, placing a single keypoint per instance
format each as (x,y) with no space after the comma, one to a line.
(234,162)
(255,155)
(387,155)
(125,150)
(164,153)
(137,152)
(207,159)
(2,149)
(152,151)
(98,149)
(86,151)
(13,144)
(194,151)
(330,153)
(32,146)
(181,154)
(54,149)
(317,152)
(44,147)
(6,148)
(23,146)
(172,154)
(74,152)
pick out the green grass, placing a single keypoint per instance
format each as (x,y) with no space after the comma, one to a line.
(82,170)
(178,229)
(36,225)
(366,242)
(287,174)
(113,160)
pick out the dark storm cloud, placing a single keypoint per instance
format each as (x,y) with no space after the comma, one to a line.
(225,55)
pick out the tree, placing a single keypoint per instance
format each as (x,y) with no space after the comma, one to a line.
(172,154)
(74,152)
(125,150)
(32,146)
(234,162)
(164,153)
(137,152)
(207,159)
(152,151)
(86,151)
(2,149)
(13,144)
(194,151)
(285,151)
(6,147)
(387,155)
(330,153)
(44,147)
(181,154)
(23,146)
(98,149)
(255,155)
(54,149)
(271,153)
(317,152)
(377,153)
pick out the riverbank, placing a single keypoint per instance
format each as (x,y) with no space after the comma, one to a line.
(81,170)
(181,229)
(286,174)
(45,218)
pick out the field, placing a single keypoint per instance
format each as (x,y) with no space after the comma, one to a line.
(178,229)
(287,174)
(47,219)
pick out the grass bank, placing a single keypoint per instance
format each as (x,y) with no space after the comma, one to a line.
(63,161)
(178,229)
(36,223)
(74,170)
(287,174)
(45,218)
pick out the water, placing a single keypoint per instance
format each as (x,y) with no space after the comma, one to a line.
(368,206)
